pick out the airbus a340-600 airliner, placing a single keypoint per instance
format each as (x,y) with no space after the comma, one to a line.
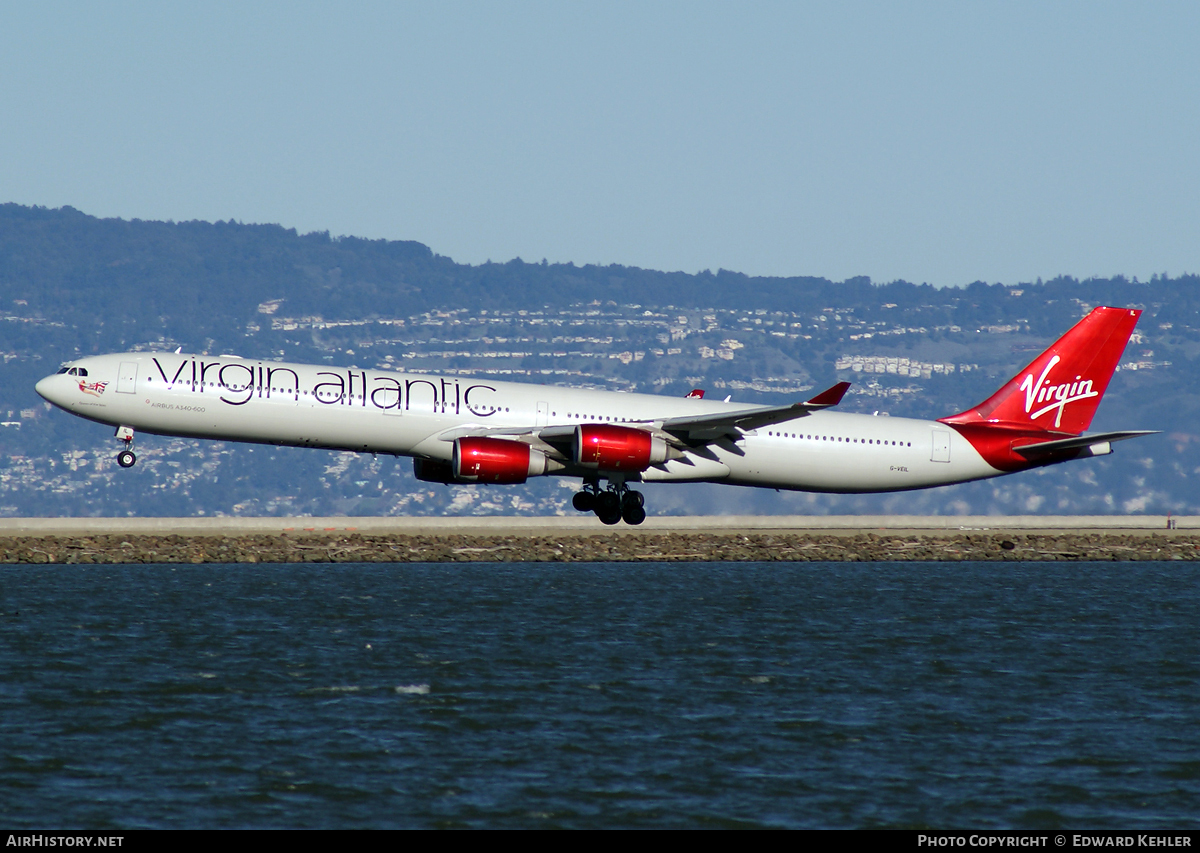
(460,430)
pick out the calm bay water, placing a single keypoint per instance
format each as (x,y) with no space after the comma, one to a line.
(986,695)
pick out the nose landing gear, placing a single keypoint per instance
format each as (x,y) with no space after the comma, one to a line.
(612,505)
(126,457)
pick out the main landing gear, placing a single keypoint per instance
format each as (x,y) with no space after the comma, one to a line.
(611,505)
(126,458)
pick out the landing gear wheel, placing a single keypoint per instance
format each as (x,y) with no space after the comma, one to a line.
(608,507)
(126,459)
(632,507)
(584,501)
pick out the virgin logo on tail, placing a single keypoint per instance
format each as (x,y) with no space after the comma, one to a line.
(1090,348)
(1080,389)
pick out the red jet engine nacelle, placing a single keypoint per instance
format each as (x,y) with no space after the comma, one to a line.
(495,460)
(607,447)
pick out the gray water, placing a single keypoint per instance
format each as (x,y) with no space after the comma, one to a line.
(971,695)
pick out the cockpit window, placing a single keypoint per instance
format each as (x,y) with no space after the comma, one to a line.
(76,371)
(60,370)
(83,371)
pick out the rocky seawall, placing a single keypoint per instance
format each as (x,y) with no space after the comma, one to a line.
(599,547)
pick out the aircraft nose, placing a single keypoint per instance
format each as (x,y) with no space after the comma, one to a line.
(45,388)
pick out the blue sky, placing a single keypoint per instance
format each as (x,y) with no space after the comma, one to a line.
(939,142)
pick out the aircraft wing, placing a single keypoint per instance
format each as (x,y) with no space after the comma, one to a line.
(498,432)
(703,428)
(690,429)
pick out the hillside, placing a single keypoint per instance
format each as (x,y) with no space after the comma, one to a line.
(73,284)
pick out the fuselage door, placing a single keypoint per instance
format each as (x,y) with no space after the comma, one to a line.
(941,446)
(127,378)
(388,399)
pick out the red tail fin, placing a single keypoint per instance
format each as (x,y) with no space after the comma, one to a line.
(1061,388)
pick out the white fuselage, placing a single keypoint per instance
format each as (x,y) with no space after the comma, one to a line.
(420,415)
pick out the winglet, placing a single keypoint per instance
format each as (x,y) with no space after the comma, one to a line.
(830,396)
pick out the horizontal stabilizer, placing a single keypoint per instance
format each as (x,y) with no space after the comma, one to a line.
(1045,448)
